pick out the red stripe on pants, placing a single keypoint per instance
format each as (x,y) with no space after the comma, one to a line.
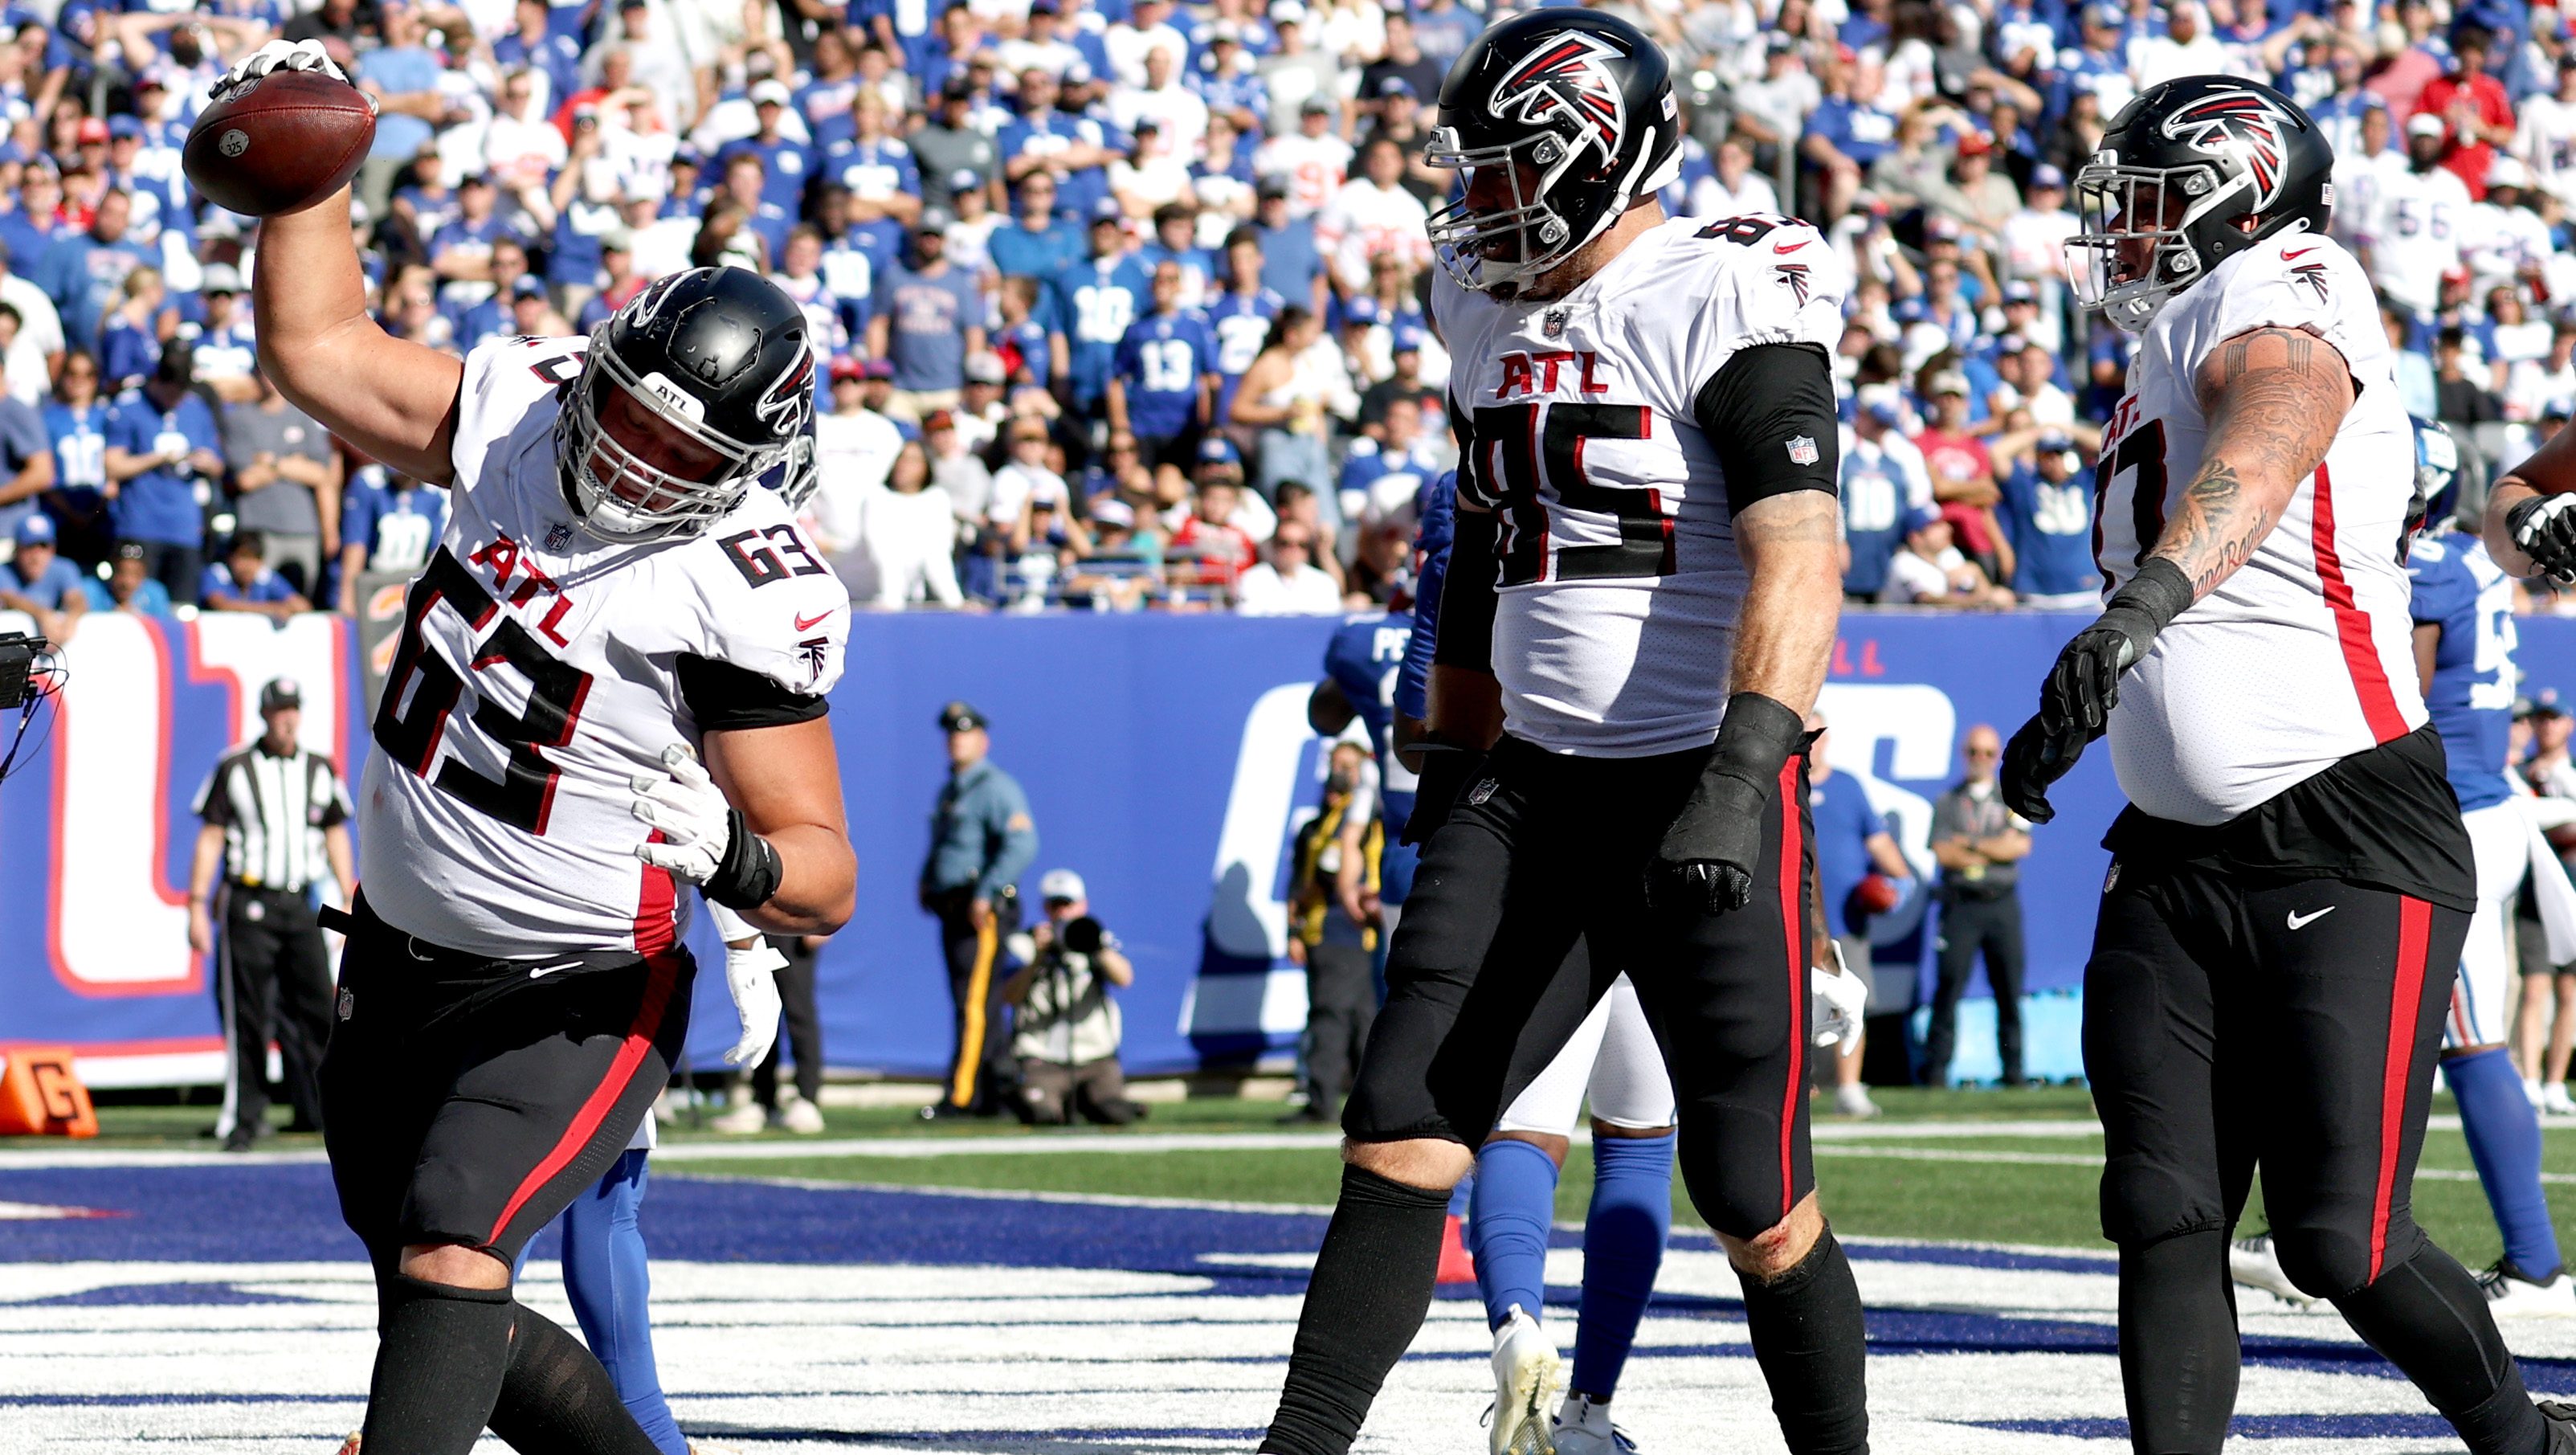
(1793,853)
(2414,928)
(2352,624)
(664,973)
(657,933)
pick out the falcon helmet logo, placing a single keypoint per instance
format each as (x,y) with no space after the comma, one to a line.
(2240,124)
(1564,80)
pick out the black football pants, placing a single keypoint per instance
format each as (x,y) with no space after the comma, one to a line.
(1545,851)
(277,977)
(2230,1023)
(1971,926)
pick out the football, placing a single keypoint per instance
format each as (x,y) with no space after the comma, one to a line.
(279,144)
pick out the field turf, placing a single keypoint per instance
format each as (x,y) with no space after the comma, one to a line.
(1939,1185)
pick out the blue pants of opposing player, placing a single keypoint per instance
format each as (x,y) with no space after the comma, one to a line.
(1623,1242)
(605,1277)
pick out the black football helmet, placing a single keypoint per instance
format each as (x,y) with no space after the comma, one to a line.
(719,357)
(1572,112)
(2180,170)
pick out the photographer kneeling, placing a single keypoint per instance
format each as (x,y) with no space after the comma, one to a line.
(1064,1025)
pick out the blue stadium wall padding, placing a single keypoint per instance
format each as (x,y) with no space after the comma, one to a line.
(1166,758)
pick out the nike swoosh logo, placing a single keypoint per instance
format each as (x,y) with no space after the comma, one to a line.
(2300,921)
(1791,247)
(544,970)
(808,623)
(2301,253)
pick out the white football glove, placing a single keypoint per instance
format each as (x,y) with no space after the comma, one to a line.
(751,974)
(278,55)
(685,804)
(1840,1000)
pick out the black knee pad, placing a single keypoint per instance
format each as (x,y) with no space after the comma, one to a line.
(2143,1201)
(2332,1262)
(1737,1191)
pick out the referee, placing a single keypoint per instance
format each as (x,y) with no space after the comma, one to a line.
(275,819)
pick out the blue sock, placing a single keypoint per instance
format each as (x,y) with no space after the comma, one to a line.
(1514,1208)
(2504,1140)
(605,1277)
(1460,1195)
(1623,1245)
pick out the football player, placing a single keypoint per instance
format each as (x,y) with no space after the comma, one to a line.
(2464,644)
(2291,884)
(1636,619)
(610,683)
(1613,1062)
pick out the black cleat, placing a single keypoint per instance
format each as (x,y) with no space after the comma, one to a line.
(2560,1417)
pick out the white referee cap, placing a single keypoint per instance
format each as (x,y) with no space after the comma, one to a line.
(1061,884)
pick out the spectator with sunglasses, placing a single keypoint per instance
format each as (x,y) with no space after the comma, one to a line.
(1979,844)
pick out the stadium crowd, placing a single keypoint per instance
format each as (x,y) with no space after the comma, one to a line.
(1123,300)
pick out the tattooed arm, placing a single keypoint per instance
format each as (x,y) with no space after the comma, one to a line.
(2274,398)
(1792,549)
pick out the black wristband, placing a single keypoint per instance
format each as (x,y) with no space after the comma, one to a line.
(1755,740)
(2160,592)
(749,871)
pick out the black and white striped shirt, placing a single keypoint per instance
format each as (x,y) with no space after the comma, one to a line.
(273,810)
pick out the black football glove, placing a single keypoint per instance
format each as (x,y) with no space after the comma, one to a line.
(2034,759)
(2083,687)
(2545,527)
(1447,769)
(1708,856)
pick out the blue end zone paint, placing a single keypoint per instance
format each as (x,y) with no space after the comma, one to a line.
(254,1212)
(2254,1427)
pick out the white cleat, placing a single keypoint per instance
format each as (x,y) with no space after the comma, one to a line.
(2554,1100)
(2251,1261)
(1527,1371)
(802,1117)
(1853,1101)
(740,1121)
(1583,1428)
(2531,1091)
(2511,1294)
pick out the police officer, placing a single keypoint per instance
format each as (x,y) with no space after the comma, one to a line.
(275,819)
(981,841)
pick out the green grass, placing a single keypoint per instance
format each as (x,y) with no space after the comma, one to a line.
(1866,1196)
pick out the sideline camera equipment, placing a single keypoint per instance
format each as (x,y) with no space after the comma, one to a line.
(30,674)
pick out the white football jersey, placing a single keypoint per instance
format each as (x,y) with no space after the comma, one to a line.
(538,672)
(2304,656)
(2414,234)
(1619,582)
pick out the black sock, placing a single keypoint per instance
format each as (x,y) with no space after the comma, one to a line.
(557,1400)
(2178,1350)
(1808,1338)
(1371,1287)
(439,1359)
(2426,1316)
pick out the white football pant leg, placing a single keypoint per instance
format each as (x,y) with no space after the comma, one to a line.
(2480,999)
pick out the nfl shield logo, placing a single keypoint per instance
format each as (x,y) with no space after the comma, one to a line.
(559,534)
(1802,450)
(1554,324)
(1483,791)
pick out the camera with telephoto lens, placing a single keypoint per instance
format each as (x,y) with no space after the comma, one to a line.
(18,654)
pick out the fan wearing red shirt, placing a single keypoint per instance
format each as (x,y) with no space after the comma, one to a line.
(1224,550)
(1963,476)
(2473,104)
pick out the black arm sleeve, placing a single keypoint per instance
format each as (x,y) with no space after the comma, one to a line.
(724,697)
(1466,636)
(1769,412)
